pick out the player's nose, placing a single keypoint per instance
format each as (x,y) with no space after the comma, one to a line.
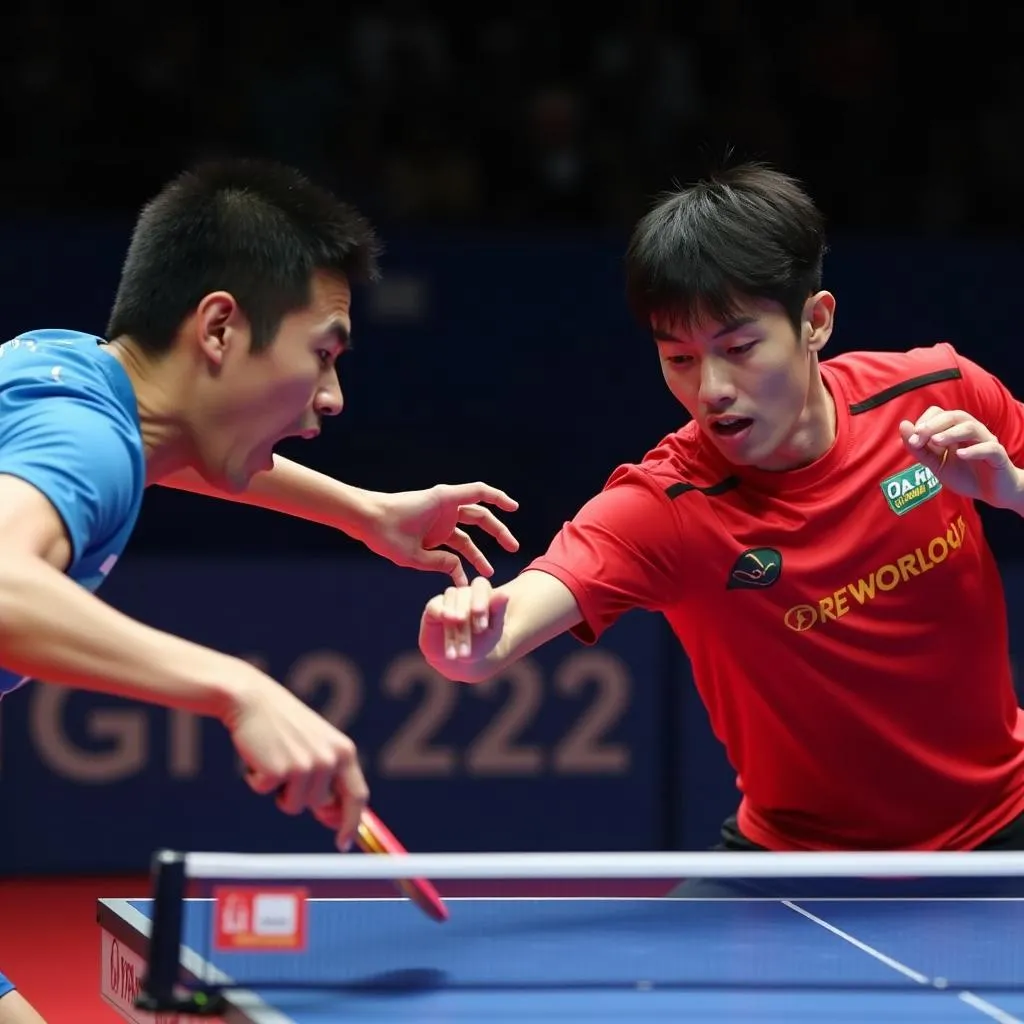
(329,400)
(716,387)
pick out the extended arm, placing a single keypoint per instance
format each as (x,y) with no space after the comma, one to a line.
(407,528)
(471,634)
(53,629)
(298,491)
(621,551)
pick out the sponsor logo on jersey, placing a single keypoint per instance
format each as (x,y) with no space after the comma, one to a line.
(883,580)
(754,569)
(911,487)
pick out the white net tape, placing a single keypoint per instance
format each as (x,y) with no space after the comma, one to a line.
(604,865)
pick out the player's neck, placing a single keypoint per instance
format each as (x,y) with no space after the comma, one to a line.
(814,433)
(159,389)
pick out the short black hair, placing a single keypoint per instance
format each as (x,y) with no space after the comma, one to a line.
(748,232)
(257,229)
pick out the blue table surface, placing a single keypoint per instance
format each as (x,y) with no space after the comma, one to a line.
(585,959)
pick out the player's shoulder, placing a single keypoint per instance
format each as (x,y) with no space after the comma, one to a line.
(677,464)
(870,378)
(61,364)
(27,351)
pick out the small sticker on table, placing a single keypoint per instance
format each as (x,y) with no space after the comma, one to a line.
(259,918)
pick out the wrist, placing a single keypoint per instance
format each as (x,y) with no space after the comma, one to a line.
(359,512)
(1017,501)
(232,687)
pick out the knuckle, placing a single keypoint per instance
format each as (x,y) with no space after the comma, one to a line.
(345,752)
(288,801)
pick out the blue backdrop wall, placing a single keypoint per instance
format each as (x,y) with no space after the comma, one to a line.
(503,358)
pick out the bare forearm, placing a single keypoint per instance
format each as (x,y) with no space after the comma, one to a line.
(54,630)
(297,491)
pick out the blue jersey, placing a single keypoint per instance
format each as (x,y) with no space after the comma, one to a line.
(69,426)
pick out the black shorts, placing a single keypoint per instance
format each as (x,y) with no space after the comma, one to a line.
(1010,837)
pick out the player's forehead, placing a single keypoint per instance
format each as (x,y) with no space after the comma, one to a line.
(330,297)
(329,310)
(696,325)
(675,332)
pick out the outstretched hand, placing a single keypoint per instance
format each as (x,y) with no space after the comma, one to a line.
(413,528)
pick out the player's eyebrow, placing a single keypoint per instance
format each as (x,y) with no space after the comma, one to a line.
(730,327)
(341,334)
(735,325)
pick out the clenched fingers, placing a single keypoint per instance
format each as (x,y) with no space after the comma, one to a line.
(261,783)
(347,796)
(293,795)
(456,617)
(931,422)
(988,451)
(335,792)
(462,612)
(480,594)
(351,787)
(967,431)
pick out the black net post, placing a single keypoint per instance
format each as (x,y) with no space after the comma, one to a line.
(157,992)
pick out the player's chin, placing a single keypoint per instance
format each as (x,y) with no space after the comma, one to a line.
(241,475)
(740,450)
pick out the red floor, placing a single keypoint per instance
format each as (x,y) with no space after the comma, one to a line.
(50,942)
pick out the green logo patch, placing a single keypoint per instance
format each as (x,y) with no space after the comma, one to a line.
(755,568)
(910,488)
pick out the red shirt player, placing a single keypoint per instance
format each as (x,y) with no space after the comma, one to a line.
(811,538)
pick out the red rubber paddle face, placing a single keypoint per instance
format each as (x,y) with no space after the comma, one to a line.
(373,836)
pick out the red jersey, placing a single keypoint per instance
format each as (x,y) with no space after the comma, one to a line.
(845,621)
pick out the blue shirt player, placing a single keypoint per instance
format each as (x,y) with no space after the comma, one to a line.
(69,427)
(233,308)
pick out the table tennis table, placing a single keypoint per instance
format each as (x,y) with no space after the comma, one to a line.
(616,959)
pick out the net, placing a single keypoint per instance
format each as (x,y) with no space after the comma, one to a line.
(238,926)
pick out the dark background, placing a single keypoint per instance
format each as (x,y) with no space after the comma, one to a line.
(504,153)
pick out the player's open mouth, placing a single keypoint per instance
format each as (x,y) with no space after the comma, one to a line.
(731,426)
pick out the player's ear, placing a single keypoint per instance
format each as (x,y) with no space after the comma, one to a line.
(220,327)
(818,320)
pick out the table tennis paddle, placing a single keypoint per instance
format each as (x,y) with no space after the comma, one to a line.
(373,836)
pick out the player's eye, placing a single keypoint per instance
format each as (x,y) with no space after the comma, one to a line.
(739,350)
(326,357)
(679,360)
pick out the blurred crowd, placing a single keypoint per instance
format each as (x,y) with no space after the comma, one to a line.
(550,117)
